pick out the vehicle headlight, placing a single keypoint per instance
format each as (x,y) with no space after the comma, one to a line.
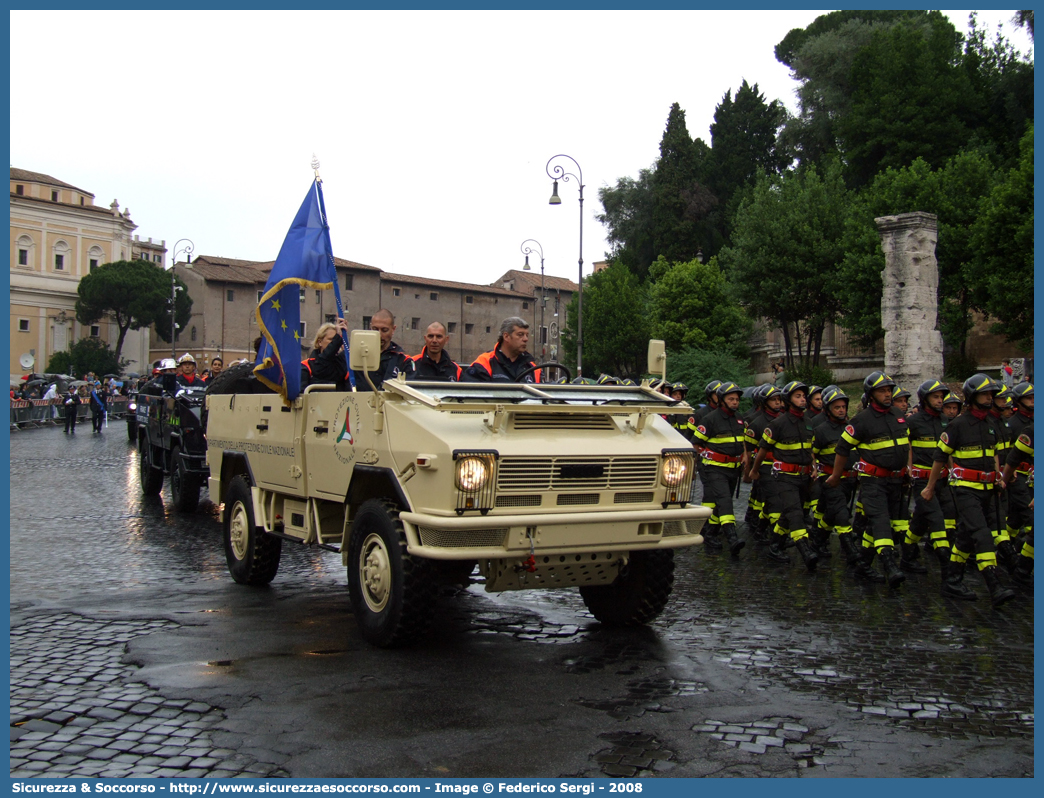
(674,470)
(472,474)
(132,406)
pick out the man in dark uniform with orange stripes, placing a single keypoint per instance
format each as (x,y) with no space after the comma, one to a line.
(433,363)
(509,359)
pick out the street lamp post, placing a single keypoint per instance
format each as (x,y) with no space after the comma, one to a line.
(183,246)
(559,173)
(543,297)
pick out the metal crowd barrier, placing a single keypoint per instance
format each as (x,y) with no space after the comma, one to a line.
(31,413)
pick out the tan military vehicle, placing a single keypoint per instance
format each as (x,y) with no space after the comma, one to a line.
(539,486)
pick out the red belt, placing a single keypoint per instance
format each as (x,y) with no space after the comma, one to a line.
(829,470)
(971,475)
(718,457)
(864,467)
(791,468)
(918,472)
(1025,468)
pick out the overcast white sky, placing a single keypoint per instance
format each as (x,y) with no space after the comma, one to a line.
(433,128)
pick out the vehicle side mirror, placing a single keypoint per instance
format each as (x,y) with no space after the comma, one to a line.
(365,350)
(657,358)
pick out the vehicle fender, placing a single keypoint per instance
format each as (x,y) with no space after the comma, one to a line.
(234,463)
(374,482)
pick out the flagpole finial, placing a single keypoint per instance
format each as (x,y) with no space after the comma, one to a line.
(315,166)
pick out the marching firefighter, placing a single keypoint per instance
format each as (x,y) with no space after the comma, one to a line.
(814,403)
(926,427)
(1019,469)
(970,440)
(710,393)
(1019,495)
(882,443)
(1002,409)
(832,512)
(682,422)
(789,440)
(770,404)
(901,401)
(815,421)
(719,440)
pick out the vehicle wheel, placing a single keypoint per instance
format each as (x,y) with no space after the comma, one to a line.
(227,380)
(252,555)
(184,487)
(132,431)
(392,592)
(639,593)
(151,477)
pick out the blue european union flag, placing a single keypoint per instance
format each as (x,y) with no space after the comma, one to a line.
(305,261)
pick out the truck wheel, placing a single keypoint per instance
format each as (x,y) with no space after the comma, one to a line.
(184,486)
(639,593)
(151,477)
(252,555)
(392,592)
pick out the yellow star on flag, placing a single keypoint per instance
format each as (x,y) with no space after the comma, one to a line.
(297,335)
(275,304)
(283,324)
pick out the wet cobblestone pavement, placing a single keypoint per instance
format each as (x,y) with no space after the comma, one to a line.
(133,653)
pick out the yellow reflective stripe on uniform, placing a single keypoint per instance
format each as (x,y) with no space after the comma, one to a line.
(1023,447)
(985,559)
(795,446)
(945,447)
(725,439)
(846,437)
(963,483)
(701,435)
(924,443)
(826,450)
(888,444)
(967,453)
(766,436)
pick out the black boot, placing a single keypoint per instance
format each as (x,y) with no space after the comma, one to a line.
(735,544)
(761,532)
(911,559)
(864,568)
(712,539)
(808,553)
(1023,573)
(998,593)
(892,572)
(943,555)
(821,540)
(849,547)
(1007,556)
(953,584)
(775,549)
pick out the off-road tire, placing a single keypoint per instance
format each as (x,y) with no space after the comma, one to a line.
(151,477)
(225,382)
(251,554)
(639,593)
(184,486)
(392,592)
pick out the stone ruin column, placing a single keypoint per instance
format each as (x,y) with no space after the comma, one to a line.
(910,300)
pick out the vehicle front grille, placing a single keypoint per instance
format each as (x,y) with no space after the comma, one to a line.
(577,498)
(519,501)
(462,538)
(571,473)
(633,498)
(568,421)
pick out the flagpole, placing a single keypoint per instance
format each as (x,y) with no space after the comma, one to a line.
(333,269)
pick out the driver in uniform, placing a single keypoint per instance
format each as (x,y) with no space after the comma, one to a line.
(509,359)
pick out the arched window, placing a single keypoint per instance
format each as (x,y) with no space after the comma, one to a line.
(25,250)
(94,257)
(61,256)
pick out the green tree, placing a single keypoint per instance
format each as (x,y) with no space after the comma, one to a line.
(953,193)
(1002,237)
(893,119)
(134,294)
(744,139)
(784,262)
(616,326)
(627,216)
(690,306)
(697,366)
(87,354)
(681,200)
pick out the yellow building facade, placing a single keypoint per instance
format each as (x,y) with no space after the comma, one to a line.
(58,235)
